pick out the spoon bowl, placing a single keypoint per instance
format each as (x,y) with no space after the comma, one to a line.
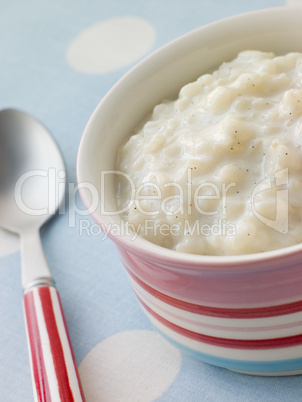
(32,172)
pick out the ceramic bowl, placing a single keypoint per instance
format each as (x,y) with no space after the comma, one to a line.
(243,313)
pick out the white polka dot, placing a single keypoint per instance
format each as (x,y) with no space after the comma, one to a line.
(110,45)
(9,243)
(129,366)
(294,3)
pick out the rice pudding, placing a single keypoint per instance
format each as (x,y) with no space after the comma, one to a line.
(218,171)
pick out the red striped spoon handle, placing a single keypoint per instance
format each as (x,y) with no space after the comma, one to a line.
(54,370)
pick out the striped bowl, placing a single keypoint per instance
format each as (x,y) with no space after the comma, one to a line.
(243,313)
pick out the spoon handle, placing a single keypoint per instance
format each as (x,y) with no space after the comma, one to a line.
(54,370)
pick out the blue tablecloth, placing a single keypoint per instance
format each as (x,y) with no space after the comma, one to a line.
(57,60)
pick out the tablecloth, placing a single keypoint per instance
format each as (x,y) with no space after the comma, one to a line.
(57,60)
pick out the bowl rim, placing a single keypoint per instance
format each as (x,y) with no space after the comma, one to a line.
(150,251)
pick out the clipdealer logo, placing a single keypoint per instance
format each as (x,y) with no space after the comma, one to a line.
(277,183)
(194,197)
(280,179)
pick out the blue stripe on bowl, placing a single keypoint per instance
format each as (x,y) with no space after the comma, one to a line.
(276,367)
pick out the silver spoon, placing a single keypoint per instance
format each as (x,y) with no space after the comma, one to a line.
(32,187)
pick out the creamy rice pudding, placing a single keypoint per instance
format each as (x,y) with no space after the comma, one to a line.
(218,171)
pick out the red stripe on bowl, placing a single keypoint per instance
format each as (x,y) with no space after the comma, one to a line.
(251,344)
(258,312)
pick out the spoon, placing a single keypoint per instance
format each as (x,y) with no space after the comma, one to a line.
(32,188)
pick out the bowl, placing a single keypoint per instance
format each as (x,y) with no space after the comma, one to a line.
(243,313)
